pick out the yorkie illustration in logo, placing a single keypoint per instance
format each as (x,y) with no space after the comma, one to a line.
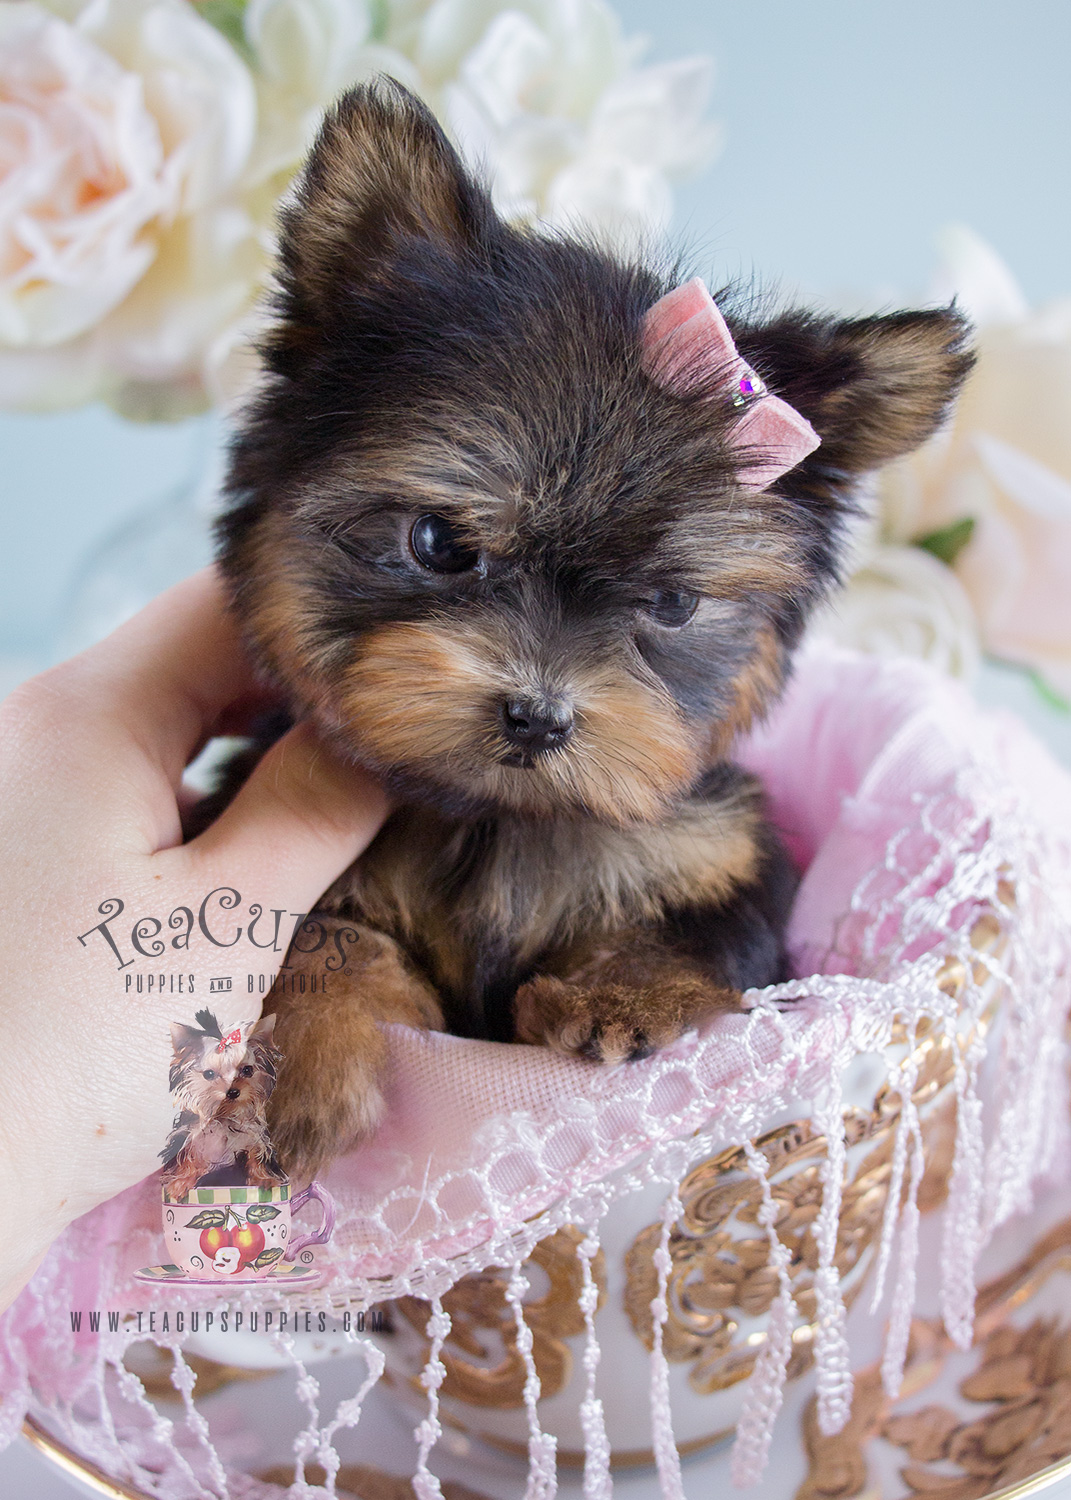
(222,1083)
(227,1202)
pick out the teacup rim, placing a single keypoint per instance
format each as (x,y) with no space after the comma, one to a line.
(205,1197)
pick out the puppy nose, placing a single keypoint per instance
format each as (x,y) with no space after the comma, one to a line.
(536,726)
(234,1093)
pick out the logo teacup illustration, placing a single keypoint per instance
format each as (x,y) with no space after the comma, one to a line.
(240,1233)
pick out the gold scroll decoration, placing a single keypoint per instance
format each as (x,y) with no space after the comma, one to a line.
(720,1256)
(483,1364)
(720,1271)
(1019,1388)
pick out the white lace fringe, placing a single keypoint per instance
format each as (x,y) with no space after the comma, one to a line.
(425,1484)
(598,1484)
(765,1388)
(665,1448)
(542,1447)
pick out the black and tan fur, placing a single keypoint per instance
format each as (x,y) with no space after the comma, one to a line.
(606,892)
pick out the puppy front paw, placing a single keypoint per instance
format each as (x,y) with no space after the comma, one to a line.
(327,1099)
(614,1023)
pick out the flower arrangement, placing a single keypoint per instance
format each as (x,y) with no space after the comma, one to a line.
(967,547)
(145,144)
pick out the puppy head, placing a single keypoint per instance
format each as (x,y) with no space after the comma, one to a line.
(220,1075)
(470,532)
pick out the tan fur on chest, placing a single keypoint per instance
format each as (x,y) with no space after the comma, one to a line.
(448,890)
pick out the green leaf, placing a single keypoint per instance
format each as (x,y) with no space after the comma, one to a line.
(948,542)
(379,13)
(1049,694)
(211,1218)
(268,1257)
(228,17)
(258,1212)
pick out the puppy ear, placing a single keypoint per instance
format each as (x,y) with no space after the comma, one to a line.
(872,388)
(263,1031)
(381,175)
(185,1039)
(186,1044)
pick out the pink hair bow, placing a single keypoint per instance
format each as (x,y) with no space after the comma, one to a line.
(686,339)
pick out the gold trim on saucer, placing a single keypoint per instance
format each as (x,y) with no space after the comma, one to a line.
(1036,1483)
(73,1463)
(1019,1385)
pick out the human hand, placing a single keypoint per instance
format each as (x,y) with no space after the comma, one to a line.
(92,755)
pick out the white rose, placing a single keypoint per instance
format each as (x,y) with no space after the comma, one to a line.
(1005,465)
(305,53)
(903,602)
(81,160)
(123,132)
(544,97)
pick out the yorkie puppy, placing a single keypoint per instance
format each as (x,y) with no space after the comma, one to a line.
(532,536)
(222,1084)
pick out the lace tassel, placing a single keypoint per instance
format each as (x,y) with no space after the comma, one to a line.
(665,1448)
(598,1484)
(542,1446)
(163,1430)
(962,1219)
(908,1134)
(765,1388)
(903,1296)
(833,1370)
(308,1392)
(425,1483)
(348,1412)
(891,1213)
(183,1378)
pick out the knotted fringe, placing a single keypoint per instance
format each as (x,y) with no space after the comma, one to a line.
(908,1134)
(162,1429)
(961,1230)
(832,1360)
(598,1484)
(308,1393)
(425,1484)
(665,1448)
(542,1446)
(348,1412)
(765,1388)
(890,1217)
(184,1378)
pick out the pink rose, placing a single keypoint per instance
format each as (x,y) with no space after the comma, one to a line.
(80,179)
(125,132)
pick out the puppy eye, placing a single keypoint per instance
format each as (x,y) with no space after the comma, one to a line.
(438,545)
(209,1073)
(246,1072)
(669,607)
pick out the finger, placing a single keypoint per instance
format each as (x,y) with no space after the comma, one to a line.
(167,675)
(301,819)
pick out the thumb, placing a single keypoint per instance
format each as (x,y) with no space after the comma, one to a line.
(301,819)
